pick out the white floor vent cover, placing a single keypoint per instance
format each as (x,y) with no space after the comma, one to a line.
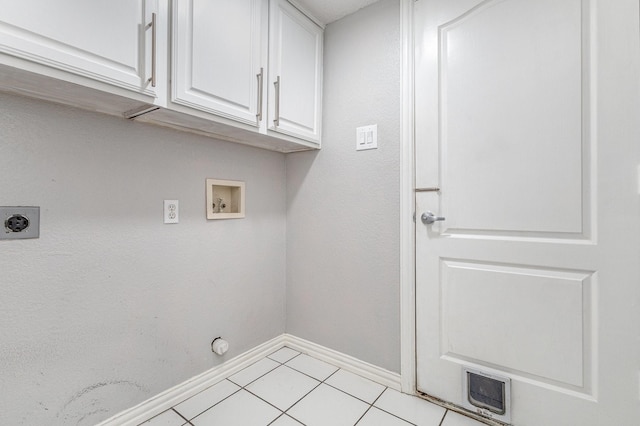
(486,394)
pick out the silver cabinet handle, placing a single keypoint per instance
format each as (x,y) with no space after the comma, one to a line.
(260,77)
(276,84)
(429,218)
(152,79)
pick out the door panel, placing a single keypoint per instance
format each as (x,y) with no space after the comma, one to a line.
(527,67)
(541,310)
(535,268)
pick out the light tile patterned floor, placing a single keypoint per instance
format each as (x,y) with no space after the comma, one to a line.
(288,388)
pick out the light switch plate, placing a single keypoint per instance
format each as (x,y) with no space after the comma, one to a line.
(367,137)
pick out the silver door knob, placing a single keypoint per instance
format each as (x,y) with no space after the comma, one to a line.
(428,218)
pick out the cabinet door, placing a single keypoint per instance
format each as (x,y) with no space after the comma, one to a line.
(105,40)
(217,57)
(295,72)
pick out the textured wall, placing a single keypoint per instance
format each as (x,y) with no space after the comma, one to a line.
(343,206)
(110,306)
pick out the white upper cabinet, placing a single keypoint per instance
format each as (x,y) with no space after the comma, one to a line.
(212,73)
(295,73)
(106,41)
(218,60)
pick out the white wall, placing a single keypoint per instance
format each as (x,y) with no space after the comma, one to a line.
(343,206)
(110,306)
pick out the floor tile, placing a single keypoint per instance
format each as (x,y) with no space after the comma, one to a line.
(410,408)
(241,409)
(285,420)
(356,385)
(254,371)
(312,367)
(328,406)
(284,355)
(168,418)
(282,387)
(375,417)
(454,419)
(206,399)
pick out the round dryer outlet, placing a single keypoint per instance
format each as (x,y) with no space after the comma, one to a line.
(16,223)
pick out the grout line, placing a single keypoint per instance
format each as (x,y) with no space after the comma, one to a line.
(276,419)
(176,411)
(264,400)
(392,414)
(353,396)
(285,412)
(257,378)
(370,405)
(443,417)
(379,396)
(363,414)
(332,374)
(224,399)
(340,390)
(283,363)
(288,416)
(303,397)
(302,372)
(396,416)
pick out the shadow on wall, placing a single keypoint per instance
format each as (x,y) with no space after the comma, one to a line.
(299,164)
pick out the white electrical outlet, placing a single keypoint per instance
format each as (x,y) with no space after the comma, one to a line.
(171,211)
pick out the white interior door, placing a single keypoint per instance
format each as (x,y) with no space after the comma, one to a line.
(528,143)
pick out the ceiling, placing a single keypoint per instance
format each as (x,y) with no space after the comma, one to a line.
(327,11)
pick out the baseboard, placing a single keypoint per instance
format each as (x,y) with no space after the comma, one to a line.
(346,362)
(167,399)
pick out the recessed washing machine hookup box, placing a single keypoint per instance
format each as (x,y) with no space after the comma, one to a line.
(225,199)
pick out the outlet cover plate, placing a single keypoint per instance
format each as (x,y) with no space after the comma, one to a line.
(32,216)
(171,211)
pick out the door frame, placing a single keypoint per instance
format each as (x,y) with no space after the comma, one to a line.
(407,204)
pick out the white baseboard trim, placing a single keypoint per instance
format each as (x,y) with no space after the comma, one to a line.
(167,399)
(346,362)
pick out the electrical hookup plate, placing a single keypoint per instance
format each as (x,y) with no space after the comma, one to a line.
(20,223)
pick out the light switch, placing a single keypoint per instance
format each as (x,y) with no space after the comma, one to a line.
(367,137)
